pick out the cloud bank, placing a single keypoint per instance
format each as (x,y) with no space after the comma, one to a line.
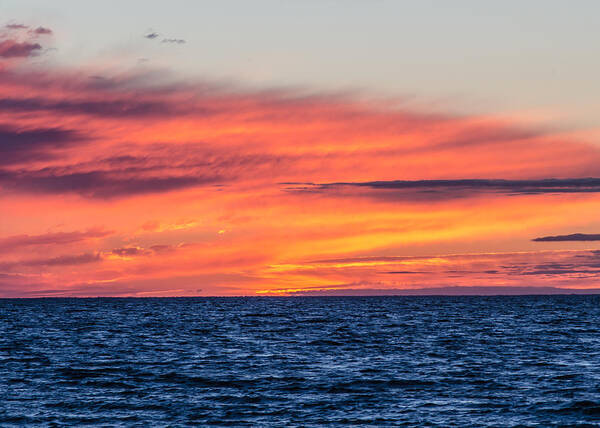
(233,190)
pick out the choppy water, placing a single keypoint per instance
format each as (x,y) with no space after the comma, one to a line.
(375,361)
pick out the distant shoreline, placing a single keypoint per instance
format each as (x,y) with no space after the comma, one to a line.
(418,292)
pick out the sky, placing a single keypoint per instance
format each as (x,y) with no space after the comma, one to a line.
(226,148)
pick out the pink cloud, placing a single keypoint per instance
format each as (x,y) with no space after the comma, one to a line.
(14,49)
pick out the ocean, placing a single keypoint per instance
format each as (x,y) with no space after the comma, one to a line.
(301,362)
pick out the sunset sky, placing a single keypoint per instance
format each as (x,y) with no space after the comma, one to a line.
(192,148)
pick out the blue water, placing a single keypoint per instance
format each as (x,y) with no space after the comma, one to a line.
(373,361)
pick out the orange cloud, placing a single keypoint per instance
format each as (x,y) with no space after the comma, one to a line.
(234,191)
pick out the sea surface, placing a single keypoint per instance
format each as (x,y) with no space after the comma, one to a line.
(321,361)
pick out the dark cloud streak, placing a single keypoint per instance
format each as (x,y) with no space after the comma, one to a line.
(568,238)
(130,251)
(42,31)
(175,41)
(64,260)
(16,26)
(448,291)
(126,175)
(104,108)
(11,243)
(97,184)
(431,190)
(33,144)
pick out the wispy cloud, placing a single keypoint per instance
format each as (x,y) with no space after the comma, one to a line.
(11,243)
(63,260)
(176,41)
(130,251)
(15,42)
(115,108)
(97,184)
(153,35)
(445,274)
(32,144)
(42,31)
(16,26)
(15,49)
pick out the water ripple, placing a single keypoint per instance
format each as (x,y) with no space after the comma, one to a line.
(401,361)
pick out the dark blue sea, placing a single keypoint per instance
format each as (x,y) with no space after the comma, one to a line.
(304,362)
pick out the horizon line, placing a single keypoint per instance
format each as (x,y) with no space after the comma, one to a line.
(452,291)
